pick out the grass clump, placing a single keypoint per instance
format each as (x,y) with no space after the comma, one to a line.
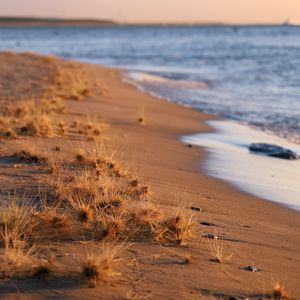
(62,128)
(188,258)
(42,272)
(27,157)
(7,129)
(178,228)
(40,126)
(279,292)
(16,224)
(84,214)
(16,261)
(92,129)
(100,266)
(16,238)
(113,226)
(217,250)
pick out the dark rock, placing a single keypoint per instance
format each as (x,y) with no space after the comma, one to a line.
(207,224)
(273,151)
(212,236)
(196,208)
(251,269)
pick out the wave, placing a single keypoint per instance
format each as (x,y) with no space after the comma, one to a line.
(146,78)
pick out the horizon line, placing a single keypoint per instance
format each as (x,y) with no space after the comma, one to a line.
(35,19)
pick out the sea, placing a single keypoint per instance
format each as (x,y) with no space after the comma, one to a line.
(248,75)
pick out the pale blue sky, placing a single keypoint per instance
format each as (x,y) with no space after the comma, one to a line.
(236,11)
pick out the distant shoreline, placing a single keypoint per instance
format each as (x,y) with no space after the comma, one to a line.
(44,22)
(16,21)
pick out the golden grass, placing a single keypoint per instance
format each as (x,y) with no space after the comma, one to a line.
(101,158)
(17,227)
(28,157)
(62,128)
(37,117)
(40,126)
(279,292)
(100,266)
(17,235)
(16,261)
(188,258)
(54,165)
(84,214)
(56,225)
(38,153)
(217,250)
(178,228)
(6,128)
(113,226)
(94,197)
(92,129)
(30,118)
(72,83)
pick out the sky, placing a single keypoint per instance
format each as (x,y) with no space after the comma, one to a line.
(228,11)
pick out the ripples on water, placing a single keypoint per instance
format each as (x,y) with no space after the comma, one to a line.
(250,74)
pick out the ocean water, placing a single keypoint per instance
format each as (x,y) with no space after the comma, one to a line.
(251,74)
(248,75)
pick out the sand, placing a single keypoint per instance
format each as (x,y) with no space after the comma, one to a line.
(255,232)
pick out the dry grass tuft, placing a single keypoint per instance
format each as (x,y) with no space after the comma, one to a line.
(71,83)
(55,221)
(178,228)
(102,159)
(217,251)
(40,126)
(92,129)
(113,226)
(31,118)
(54,165)
(16,261)
(82,157)
(7,129)
(188,258)
(62,128)
(38,153)
(16,237)
(100,266)
(17,226)
(279,292)
(84,214)
(43,270)
(27,157)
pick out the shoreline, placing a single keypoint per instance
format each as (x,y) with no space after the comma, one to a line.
(224,133)
(230,160)
(257,232)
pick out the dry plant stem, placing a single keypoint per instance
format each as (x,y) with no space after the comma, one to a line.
(217,250)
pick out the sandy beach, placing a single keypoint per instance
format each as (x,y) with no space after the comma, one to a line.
(247,230)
